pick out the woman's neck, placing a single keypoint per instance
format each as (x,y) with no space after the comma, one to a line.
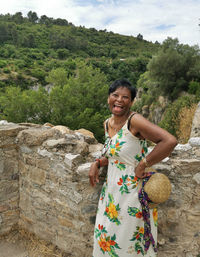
(120,119)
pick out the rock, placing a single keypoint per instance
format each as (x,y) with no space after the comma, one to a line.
(48,125)
(196,178)
(62,129)
(183,147)
(83,169)
(72,159)
(85,132)
(38,176)
(34,136)
(195,131)
(145,111)
(44,153)
(52,143)
(194,141)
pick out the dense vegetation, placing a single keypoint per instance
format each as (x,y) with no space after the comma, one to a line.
(78,64)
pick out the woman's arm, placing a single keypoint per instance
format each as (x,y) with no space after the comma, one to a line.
(164,141)
(94,170)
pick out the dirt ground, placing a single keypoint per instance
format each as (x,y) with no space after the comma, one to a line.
(20,243)
(9,249)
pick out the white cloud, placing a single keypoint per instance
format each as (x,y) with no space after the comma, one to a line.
(155,20)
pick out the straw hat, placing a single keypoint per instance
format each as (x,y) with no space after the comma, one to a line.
(158,189)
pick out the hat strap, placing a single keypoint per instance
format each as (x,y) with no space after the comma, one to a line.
(144,200)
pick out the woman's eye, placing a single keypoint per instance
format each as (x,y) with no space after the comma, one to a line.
(115,95)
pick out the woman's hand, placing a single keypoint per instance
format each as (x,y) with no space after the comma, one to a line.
(94,174)
(140,170)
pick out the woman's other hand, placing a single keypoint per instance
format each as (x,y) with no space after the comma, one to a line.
(140,170)
(94,174)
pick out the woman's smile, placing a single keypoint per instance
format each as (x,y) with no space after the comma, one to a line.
(120,101)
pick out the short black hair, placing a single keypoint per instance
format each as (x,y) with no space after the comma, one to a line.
(122,83)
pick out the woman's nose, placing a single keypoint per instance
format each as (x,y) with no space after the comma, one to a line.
(119,98)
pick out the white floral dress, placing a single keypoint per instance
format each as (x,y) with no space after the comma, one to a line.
(119,227)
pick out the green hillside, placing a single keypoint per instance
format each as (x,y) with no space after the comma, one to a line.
(78,64)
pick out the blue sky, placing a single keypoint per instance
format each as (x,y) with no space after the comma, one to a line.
(155,20)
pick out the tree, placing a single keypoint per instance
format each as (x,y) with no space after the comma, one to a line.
(81,103)
(17,17)
(32,16)
(174,67)
(140,37)
(58,77)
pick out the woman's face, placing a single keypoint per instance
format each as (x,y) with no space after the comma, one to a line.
(120,101)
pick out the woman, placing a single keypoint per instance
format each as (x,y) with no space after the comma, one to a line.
(119,229)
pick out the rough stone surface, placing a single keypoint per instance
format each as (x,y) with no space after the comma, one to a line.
(44,188)
(195,131)
(194,141)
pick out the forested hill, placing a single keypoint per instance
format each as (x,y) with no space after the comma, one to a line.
(36,45)
(78,63)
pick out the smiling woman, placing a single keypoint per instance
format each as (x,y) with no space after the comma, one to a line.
(121,225)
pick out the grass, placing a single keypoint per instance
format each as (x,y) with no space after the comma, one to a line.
(185,118)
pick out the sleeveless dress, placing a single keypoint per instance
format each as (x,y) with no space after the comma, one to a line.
(119,227)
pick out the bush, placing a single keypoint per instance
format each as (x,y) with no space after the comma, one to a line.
(3,63)
(171,121)
(194,88)
(6,70)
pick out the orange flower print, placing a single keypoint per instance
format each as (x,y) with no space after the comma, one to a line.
(112,151)
(116,147)
(135,178)
(120,182)
(105,245)
(135,212)
(138,215)
(155,216)
(117,144)
(106,242)
(141,230)
(137,238)
(112,210)
(127,183)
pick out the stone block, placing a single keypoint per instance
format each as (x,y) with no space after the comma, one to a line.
(44,153)
(34,136)
(61,129)
(196,178)
(53,143)
(194,141)
(83,170)
(183,147)
(25,149)
(8,189)
(38,176)
(42,164)
(65,222)
(71,159)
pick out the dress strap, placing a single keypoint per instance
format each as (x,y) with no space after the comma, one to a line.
(129,119)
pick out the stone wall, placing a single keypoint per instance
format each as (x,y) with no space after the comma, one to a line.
(9,177)
(45,189)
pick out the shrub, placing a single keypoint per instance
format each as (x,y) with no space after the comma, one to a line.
(171,121)
(3,63)
(185,119)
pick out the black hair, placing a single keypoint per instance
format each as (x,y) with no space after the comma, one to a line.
(122,83)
